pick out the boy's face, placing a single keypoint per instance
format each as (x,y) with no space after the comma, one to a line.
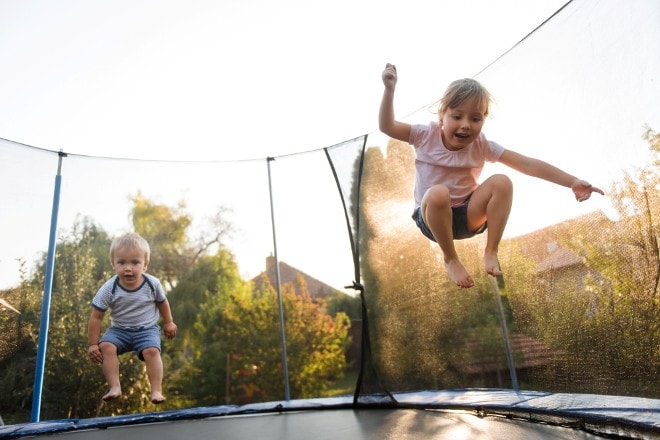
(461,125)
(129,264)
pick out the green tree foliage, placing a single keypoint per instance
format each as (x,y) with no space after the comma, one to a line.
(341,302)
(198,303)
(18,341)
(599,317)
(626,318)
(232,345)
(316,344)
(165,228)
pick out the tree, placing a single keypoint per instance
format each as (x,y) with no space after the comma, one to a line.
(316,343)
(600,317)
(198,304)
(18,341)
(166,229)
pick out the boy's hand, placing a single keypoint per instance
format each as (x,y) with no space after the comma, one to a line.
(170,330)
(95,354)
(583,190)
(389,76)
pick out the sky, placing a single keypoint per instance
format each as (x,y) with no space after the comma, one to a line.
(203,80)
(232,79)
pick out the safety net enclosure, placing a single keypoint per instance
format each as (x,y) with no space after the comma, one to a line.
(308,301)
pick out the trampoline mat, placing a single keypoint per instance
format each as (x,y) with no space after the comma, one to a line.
(400,424)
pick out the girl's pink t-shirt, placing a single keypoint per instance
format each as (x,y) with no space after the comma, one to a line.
(457,170)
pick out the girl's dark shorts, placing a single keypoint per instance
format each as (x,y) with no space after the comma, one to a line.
(459,223)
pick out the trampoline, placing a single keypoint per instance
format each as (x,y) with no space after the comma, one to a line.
(460,414)
(565,346)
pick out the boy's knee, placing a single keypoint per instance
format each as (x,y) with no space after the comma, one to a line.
(150,352)
(108,348)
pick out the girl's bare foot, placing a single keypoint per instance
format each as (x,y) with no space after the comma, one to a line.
(157,398)
(112,394)
(459,274)
(492,264)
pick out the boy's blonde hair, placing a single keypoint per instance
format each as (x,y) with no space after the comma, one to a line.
(131,240)
(460,91)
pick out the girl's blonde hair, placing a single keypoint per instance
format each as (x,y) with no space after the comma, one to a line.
(460,91)
(131,240)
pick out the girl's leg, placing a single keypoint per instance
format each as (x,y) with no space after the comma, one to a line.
(492,202)
(154,364)
(436,212)
(110,367)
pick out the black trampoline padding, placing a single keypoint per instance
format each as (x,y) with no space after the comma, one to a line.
(447,414)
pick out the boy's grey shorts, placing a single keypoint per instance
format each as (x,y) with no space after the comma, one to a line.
(133,340)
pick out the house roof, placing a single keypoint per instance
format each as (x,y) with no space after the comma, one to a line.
(527,353)
(537,245)
(559,258)
(289,275)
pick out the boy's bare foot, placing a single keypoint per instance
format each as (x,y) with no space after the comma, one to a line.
(492,265)
(112,394)
(157,398)
(459,274)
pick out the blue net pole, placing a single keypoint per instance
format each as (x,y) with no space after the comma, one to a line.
(45,304)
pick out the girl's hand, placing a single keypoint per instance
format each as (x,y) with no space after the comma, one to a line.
(583,190)
(389,76)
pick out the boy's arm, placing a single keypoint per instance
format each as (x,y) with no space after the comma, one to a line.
(543,170)
(169,327)
(94,335)
(386,121)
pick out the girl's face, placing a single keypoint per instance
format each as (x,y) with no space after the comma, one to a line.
(461,125)
(129,264)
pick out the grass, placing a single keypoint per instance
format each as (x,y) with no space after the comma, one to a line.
(345,385)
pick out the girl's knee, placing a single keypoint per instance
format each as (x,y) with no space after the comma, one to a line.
(501,182)
(437,196)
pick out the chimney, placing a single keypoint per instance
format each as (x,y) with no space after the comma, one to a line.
(270,263)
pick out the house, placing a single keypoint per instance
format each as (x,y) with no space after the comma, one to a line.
(480,362)
(559,270)
(317,290)
(289,275)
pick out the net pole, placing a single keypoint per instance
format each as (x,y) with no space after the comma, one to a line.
(285,367)
(505,334)
(45,303)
